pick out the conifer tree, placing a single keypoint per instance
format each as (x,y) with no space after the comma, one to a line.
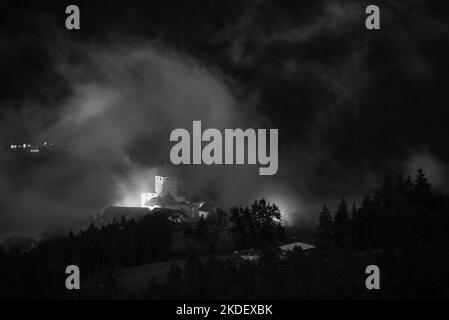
(422,188)
(342,215)
(341,223)
(325,227)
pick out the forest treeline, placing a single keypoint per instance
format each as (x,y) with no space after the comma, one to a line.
(402,227)
(256,226)
(101,251)
(98,252)
(402,213)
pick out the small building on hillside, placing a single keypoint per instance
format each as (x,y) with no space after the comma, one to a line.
(254,255)
(306,248)
(207,208)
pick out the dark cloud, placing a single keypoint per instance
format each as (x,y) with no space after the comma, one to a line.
(350,104)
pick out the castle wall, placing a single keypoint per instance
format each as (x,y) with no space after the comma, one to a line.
(166,186)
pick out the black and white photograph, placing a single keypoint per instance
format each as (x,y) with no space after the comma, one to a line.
(250,151)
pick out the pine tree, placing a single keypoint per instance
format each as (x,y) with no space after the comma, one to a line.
(421,179)
(342,215)
(353,211)
(386,193)
(325,227)
(201,229)
(341,223)
(423,188)
(237,227)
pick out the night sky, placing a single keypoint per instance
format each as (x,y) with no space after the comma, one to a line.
(351,105)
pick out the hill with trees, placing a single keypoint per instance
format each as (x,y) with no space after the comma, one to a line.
(402,227)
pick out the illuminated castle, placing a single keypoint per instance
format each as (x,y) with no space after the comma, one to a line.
(166,196)
(166,190)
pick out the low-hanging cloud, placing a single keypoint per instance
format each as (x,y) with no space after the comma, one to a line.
(351,105)
(123,102)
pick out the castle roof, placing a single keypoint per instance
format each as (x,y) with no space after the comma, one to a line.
(167,200)
(291,246)
(208,207)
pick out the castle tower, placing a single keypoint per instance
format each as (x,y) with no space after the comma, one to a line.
(166,186)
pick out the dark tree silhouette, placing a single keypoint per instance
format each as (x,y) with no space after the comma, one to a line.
(341,223)
(325,227)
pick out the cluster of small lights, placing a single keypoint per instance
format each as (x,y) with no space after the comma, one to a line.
(28,146)
(19,146)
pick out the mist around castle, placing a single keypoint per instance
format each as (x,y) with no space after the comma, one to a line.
(171,248)
(246,154)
